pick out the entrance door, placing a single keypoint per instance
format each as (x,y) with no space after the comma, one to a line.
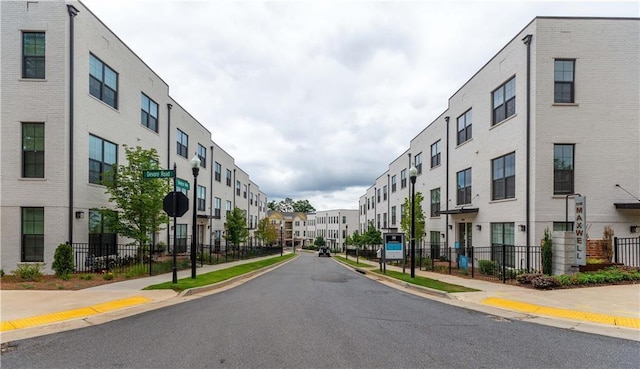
(464,238)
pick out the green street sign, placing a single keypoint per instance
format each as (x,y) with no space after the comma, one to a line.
(157,174)
(181,183)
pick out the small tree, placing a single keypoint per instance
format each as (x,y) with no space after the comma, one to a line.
(607,251)
(547,253)
(63,264)
(236,227)
(267,232)
(372,236)
(139,200)
(405,222)
(319,241)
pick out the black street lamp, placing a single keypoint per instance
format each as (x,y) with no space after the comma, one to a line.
(195,168)
(413,173)
(346,250)
(281,239)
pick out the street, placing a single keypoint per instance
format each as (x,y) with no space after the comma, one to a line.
(314,313)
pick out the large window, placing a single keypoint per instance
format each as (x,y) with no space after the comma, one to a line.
(435,202)
(238,188)
(103,155)
(418,163)
(403,178)
(32,150)
(202,155)
(435,154)
(218,171)
(102,238)
(504,101)
(504,177)
(563,77)
(103,82)
(148,113)
(228,209)
(394,181)
(393,215)
(32,235)
(465,127)
(33,55)
(384,193)
(202,198)
(563,169)
(464,186)
(378,193)
(217,207)
(244,192)
(181,238)
(228,178)
(502,244)
(182,143)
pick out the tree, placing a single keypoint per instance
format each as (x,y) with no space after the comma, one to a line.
(405,223)
(372,236)
(319,241)
(303,206)
(267,232)
(138,200)
(236,227)
(271,205)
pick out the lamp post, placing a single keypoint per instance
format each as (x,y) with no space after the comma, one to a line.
(346,251)
(280,239)
(195,168)
(413,173)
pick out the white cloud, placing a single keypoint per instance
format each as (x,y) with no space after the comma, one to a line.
(314,99)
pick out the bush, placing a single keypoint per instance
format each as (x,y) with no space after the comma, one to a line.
(547,253)
(526,278)
(63,263)
(30,272)
(108,276)
(488,267)
(544,282)
(86,277)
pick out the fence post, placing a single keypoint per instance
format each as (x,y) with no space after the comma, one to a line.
(504,263)
(150,258)
(615,250)
(472,263)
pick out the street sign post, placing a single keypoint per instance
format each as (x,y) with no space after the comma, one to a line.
(146,174)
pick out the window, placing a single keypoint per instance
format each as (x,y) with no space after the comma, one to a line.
(378,194)
(181,238)
(418,163)
(402,214)
(103,82)
(244,192)
(202,198)
(504,101)
(149,113)
(384,193)
(217,207)
(251,198)
(373,204)
(464,186)
(393,183)
(202,155)
(563,76)
(33,55)
(32,235)
(563,226)
(384,220)
(238,188)
(103,156)
(502,244)
(403,178)
(218,171)
(32,150)
(228,207)
(503,177)
(102,237)
(464,127)
(435,154)
(182,143)
(378,221)
(228,178)
(435,202)
(563,169)
(393,215)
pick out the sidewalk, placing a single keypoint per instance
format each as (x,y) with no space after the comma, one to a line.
(609,310)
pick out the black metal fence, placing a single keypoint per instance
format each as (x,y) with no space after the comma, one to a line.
(157,259)
(627,251)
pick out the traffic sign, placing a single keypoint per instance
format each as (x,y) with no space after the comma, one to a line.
(158,174)
(181,183)
(181,201)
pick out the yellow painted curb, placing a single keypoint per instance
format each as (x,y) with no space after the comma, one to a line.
(72,314)
(563,313)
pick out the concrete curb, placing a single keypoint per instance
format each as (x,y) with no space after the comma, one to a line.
(426,290)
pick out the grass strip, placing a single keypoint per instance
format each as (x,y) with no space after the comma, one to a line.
(353,263)
(427,282)
(218,275)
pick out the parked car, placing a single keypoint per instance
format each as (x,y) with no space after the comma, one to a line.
(324,251)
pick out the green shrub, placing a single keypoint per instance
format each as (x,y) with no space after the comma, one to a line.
(63,260)
(1,272)
(86,277)
(108,276)
(29,272)
(544,282)
(526,278)
(487,267)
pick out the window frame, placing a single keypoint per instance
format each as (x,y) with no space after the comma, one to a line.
(30,240)
(217,171)
(504,105)
(229,178)
(104,68)
(394,182)
(560,84)
(435,202)
(435,154)
(104,166)
(504,186)
(465,191)
(217,208)
(464,133)
(498,242)
(403,178)
(560,183)
(202,155)
(146,113)
(417,161)
(33,161)
(182,149)
(39,60)
(201,195)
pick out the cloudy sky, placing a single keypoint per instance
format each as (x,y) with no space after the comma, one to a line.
(314,99)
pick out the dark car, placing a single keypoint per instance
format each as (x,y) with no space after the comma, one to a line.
(324,251)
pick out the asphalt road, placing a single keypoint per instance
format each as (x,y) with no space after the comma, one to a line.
(315,313)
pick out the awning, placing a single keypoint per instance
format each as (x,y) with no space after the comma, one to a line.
(459,211)
(627,205)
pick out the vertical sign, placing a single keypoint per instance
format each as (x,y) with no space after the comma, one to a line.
(580,226)
(394,246)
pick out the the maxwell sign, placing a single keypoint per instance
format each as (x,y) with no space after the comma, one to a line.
(580,229)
